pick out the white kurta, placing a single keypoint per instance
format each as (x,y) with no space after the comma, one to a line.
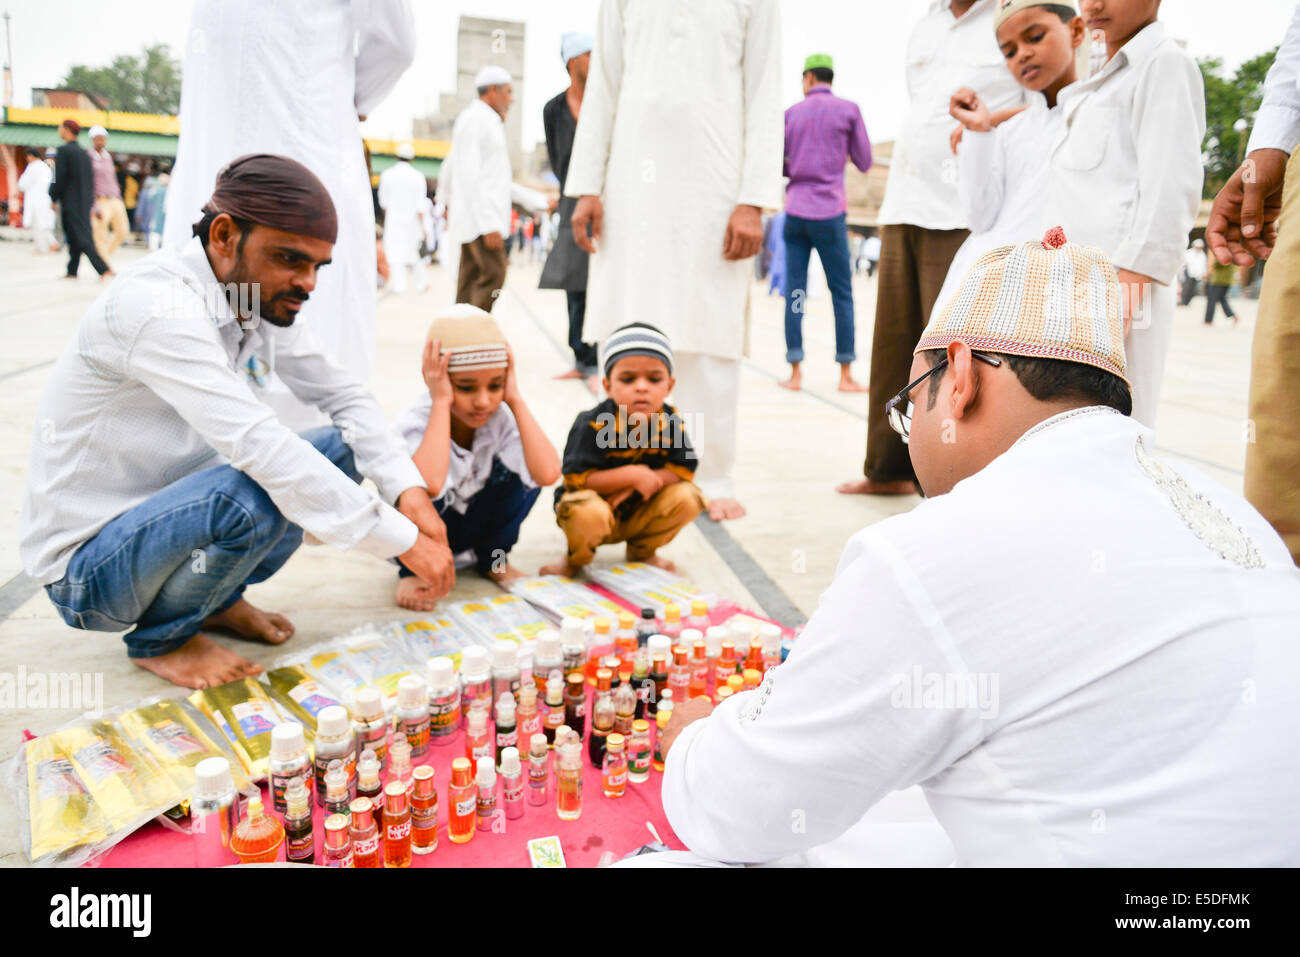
(1125,638)
(403,195)
(38,209)
(681,122)
(291,78)
(476,179)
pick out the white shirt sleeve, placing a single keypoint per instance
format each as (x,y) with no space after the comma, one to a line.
(760,183)
(172,357)
(1277,122)
(799,760)
(385,48)
(981,174)
(591,141)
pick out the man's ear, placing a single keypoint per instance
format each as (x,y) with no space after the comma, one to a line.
(962,379)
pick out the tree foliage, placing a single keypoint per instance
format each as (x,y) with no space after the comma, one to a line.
(1227,100)
(148,83)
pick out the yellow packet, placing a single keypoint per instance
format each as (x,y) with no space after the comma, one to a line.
(245,714)
(168,732)
(298,693)
(124,785)
(338,672)
(61,813)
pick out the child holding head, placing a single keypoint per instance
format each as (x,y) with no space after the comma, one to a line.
(476,443)
(628,463)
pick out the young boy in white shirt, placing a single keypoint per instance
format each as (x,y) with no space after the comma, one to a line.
(476,444)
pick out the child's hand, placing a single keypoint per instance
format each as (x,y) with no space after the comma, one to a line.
(434,369)
(646,482)
(512,381)
(969,110)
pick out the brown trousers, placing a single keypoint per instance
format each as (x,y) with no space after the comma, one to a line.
(589,522)
(913,264)
(1273,452)
(482,274)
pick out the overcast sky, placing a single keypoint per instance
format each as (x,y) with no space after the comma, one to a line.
(867,38)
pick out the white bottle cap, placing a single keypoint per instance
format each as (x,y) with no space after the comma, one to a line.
(666,697)
(713,639)
(510,762)
(659,645)
(505,654)
(741,633)
(505,708)
(212,778)
(477,721)
(332,721)
(771,635)
(487,772)
(572,631)
(287,741)
(537,742)
(528,691)
(369,703)
(474,662)
(411,691)
(690,636)
(549,647)
(441,673)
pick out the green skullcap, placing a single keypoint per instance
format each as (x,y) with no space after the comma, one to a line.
(815,60)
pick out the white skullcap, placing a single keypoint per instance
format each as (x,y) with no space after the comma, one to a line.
(491,75)
(97,131)
(574,44)
(405,151)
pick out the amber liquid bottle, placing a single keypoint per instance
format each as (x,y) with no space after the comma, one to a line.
(603,715)
(575,703)
(365,834)
(462,803)
(397,826)
(613,776)
(424,812)
(258,836)
(568,787)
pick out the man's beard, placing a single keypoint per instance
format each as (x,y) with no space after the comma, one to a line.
(270,310)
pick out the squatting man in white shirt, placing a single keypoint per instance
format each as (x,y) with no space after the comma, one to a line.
(159,487)
(1137,623)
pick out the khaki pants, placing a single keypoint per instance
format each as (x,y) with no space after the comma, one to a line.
(108,225)
(1273,458)
(589,522)
(482,274)
(913,265)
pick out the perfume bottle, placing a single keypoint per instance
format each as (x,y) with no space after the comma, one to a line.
(424,811)
(554,716)
(741,633)
(368,785)
(512,783)
(462,803)
(338,794)
(413,713)
(475,680)
(505,671)
(754,657)
(528,717)
(338,841)
(679,674)
(477,740)
(365,834)
(289,761)
(399,763)
(300,844)
(613,774)
(486,780)
(214,813)
(601,644)
(713,639)
(624,708)
(369,722)
(603,714)
(397,826)
(662,717)
(672,624)
(639,752)
(334,742)
(258,837)
(699,616)
(506,734)
(575,703)
(444,700)
(548,656)
(568,784)
(726,662)
(770,635)
(573,645)
(625,640)
(699,687)
(539,771)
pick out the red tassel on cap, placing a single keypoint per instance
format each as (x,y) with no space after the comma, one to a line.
(1054,238)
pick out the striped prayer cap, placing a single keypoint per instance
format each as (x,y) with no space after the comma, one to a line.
(1050,299)
(636,339)
(472,336)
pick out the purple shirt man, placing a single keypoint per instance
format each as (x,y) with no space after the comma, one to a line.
(820,132)
(101,162)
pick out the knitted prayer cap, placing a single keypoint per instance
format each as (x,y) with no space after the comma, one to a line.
(636,339)
(472,336)
(1050,299)
(1009,8)
(818,60)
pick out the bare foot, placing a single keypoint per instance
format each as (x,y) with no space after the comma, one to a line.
(868,487)
(200,663)
(850,384)
(571,374)
(506,575)
(67,276)
(249,622)
(794,383)
(562,567)
(414,594)
(721,509)
(658,561)
(105,277)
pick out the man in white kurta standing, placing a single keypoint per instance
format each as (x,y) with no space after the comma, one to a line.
(294,78)
(403,196)
(678,151)
(38,211)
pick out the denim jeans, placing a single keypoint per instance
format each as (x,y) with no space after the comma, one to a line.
(491,521)
(184,554)
(831,240)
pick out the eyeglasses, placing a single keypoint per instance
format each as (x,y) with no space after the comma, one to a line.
(900,420)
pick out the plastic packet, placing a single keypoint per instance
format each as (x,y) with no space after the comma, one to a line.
(64,823)
(648,587)
(297,692)
(245,714)
(501,617)
(379,655)
(432,638)
(558,597)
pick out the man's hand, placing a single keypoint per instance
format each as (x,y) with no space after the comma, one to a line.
(1132,289)
(969,110)
(683,715)
(1243,219)
(433,366)
(744,236)
(590,211)
(493,241)
(954,138)
(416,505)
(432,563)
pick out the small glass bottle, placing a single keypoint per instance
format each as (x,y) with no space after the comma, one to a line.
(300,843)
(397,826)
(660,649)
(539,771)
(528,717)
(573,645)
(771,638)
(258,837)
(662,717)
(338,841)
(512,783)
(369,722)
(365,834)
(507,735)
(548,656)
(699,616)
(486,780)
(475,680)
(641,683)
(462,802)
(214,813)
(424,811)
(554,716)
(413,713)
(601,644)
(679,674)
(399,762)
(713,639)
(624,708)
(741,632)
(478,742)
(639,754)
(699,687)
(575,703)
(754,658)
(568,783)
(613,774)
(368,785)
(672,624)
(289,761)
(444,700)
(334,741)
(603,716)
(625,642)
(505,672)
(338,795)
(726,662)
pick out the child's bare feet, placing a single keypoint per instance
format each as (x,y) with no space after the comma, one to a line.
(249,622)
(562,567)
(200,663)
(506,575)
(658,561)
(723,509)
(414,594)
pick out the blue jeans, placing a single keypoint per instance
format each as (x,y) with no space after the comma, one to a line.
(184,554)
(491,521)
(831,240)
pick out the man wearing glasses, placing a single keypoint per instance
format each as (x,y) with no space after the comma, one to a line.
(1083,655)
